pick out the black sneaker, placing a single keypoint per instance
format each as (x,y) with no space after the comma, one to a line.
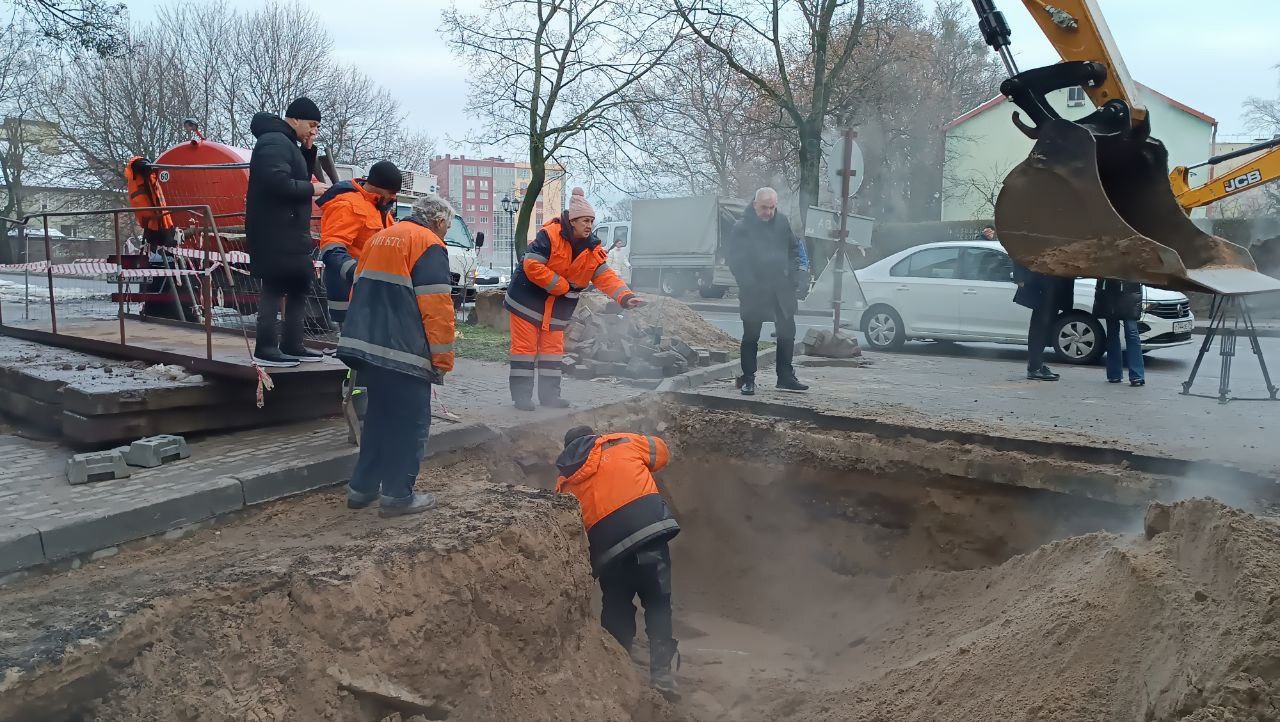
(792,384)
(1042,374)
(303,354)
(274,359)
(747,385)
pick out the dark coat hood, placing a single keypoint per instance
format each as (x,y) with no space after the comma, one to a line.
(264,123)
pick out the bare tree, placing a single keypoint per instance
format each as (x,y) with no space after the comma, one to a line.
(794,52)
(93,25)
(555,74)
(413,151)
(980,188)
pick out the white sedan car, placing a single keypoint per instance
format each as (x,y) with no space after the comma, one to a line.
(963,291)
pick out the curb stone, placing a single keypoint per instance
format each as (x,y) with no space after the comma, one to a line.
(20,547)
(68,537)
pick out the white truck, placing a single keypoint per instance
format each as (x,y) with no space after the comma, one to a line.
(678,244)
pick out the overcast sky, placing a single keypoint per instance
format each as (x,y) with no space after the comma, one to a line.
(1211,56)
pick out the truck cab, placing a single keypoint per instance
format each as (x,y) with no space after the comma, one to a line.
(463,256)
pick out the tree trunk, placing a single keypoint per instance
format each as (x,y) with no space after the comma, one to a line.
(810,167)
(537,177)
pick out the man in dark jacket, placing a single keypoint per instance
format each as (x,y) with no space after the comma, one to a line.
(278,227)
(763,258)
(1047,297)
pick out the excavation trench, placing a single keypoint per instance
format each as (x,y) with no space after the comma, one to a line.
(820,575)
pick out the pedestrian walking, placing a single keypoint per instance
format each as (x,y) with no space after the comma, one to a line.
(766,261)
(278,228)
(563,260)
(628,526)
(398,335)
(1119,303)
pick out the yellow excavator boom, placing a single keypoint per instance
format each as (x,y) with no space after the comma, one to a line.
(1094,199)
(1250,174)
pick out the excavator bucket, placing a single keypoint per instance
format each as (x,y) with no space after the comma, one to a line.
(1102,207)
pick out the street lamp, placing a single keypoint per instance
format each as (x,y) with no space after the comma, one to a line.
(510,206)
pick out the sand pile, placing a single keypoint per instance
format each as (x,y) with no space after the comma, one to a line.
(1184,626)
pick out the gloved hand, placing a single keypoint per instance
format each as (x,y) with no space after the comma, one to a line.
(634,301)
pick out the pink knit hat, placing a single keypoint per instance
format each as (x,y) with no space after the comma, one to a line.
(579,207)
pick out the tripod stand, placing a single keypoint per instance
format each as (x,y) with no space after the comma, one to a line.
(1235,310)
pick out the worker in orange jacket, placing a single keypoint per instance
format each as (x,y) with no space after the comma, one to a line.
(563,260)
(628,527)
(350,213)
(399,337)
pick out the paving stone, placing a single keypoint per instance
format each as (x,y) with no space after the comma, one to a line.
(97,466)
(154,451)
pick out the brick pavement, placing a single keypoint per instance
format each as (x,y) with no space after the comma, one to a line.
(43,518)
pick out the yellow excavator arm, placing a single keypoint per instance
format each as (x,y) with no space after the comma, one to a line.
(1094,198)
(1251,174)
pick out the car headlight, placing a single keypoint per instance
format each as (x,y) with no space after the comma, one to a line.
(1147,306)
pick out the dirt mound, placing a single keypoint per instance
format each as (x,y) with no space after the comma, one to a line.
(1184,626)
(675,317)
(479,610)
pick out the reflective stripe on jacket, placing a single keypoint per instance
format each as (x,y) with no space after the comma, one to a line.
(401,314)
(349,216)
(545,288)
(612,477)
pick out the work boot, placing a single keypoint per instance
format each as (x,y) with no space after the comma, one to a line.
(389,506)
(525,405)
(661,678)
(302,353)
(359,499)
(555,403)
(791,383)
(747,385)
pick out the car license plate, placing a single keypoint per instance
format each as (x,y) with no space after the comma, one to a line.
(1182,327)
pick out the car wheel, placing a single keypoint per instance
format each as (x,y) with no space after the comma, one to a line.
(883,329)
(1078,339)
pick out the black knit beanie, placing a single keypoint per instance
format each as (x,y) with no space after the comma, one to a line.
(386,175)
(303,109)
(577,432)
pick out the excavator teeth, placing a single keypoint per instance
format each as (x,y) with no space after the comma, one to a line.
(1103,208)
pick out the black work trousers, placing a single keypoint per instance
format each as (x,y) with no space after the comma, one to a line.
(645,573)
(1040,333)
(784,322)
(293,292)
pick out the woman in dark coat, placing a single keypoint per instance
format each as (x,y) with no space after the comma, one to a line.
(1119,303)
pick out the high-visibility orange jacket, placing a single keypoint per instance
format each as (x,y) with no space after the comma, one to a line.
(545,288)
(349,216)
(401,314)
(145,192)
(612,476)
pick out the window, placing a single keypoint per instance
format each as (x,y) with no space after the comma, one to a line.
(471,207)
(620,233)
(1075,96)
(484,209)
(484,182)
(470,170)
(985,264)
(539,219)
(929,263)
(523,173)
(471,182)
(471,194)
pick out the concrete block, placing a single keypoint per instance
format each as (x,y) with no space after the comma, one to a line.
(608,368)
(638,369)
(718,357)
(20,548)
(97,466)
(583,372)
(156,450)
(64,537)
(830,345)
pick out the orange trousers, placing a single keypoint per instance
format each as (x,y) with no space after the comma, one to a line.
(536,356)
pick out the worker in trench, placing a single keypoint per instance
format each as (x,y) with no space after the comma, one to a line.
(628,526)
(398,335)
(351,212)
(563,260)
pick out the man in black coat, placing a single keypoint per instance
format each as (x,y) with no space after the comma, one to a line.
(278,228)
(763,258)
(1047,297)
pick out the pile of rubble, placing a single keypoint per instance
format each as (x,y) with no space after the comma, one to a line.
(604,340)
